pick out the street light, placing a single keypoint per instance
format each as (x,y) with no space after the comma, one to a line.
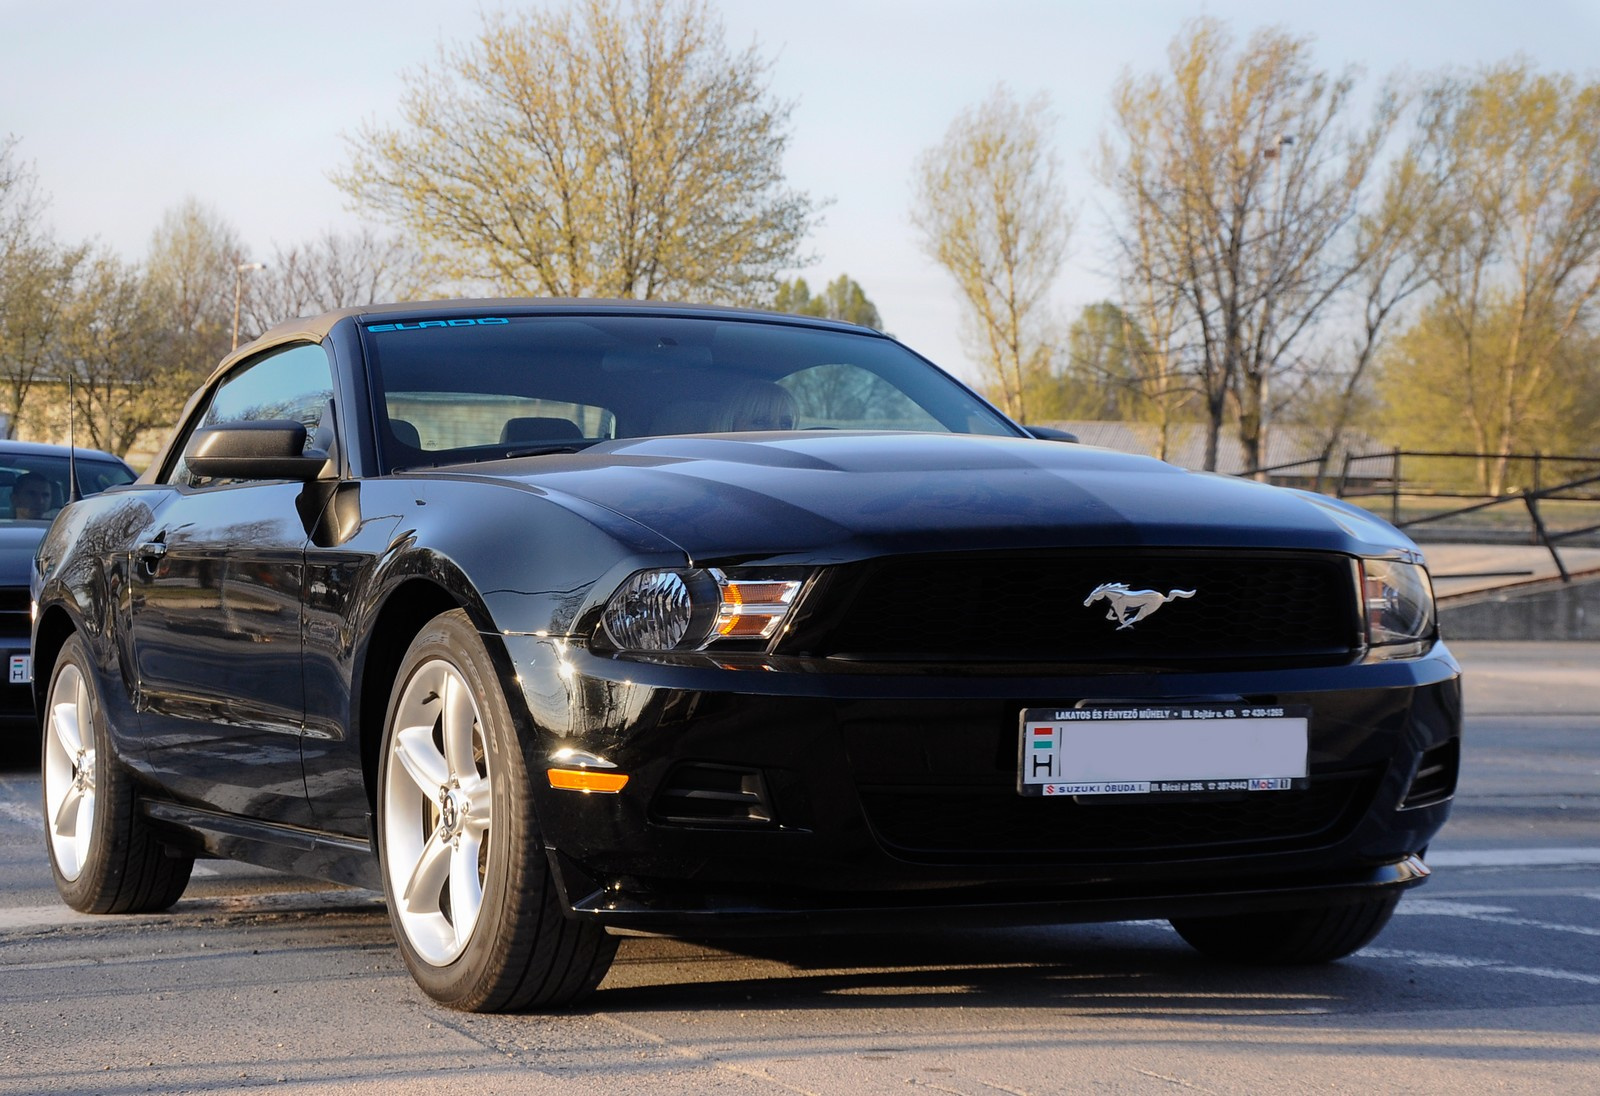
(239,270)
(1277,153)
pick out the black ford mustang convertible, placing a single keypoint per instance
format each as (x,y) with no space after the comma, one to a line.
(551,619)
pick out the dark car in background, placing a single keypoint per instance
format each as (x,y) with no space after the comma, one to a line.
(553,619)
(35,483)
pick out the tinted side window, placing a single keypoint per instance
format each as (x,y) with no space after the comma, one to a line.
(294,382)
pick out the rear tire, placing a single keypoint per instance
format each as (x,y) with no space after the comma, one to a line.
(103,854)
(1289,937)
(471,896)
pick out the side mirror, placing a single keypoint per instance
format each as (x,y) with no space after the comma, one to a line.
(1050,433)
(266,449)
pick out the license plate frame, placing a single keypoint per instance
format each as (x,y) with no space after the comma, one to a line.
(1159,749)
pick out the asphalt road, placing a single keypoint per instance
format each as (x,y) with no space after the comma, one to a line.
(1488,980)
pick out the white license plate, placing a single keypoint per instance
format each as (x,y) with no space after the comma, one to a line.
(21,669)
(1179,750)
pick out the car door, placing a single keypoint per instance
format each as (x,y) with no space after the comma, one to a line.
(215,593)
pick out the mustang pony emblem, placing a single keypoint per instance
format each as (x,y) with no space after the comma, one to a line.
(1129,607)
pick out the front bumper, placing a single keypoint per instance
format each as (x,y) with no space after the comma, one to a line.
(767,795)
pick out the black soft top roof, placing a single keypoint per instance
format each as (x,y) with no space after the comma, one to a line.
(316,328)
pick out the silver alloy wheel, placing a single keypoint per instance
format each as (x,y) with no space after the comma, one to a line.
(437,811)
(69,772)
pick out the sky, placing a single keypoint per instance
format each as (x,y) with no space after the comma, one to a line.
(126,109)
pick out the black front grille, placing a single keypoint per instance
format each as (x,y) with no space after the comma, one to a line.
(943,824)
(1247,608)
(15,610)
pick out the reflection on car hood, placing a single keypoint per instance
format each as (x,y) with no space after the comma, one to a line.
(836,496)
(19,541)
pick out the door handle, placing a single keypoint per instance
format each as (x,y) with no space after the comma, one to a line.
(150,554)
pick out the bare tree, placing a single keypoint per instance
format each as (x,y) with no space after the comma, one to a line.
(336,270)
(990,211)
(115,343)
(192,266)
(1391,272)
(36,276)
(1239,182)
(601,148)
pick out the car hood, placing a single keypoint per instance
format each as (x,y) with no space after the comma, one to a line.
(19,542)
(827,497)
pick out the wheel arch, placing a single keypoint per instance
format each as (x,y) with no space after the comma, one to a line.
(404,613)
(55,627)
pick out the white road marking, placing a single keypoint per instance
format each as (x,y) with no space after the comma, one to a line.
(1461,962)
(1448,908)
(1510,858)
(1493,915)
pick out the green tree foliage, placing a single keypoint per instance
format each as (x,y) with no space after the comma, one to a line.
(1439,393)
(1110,370)
(843,299)
(602,148)
(991,213)
(1511,241)
(1099,375)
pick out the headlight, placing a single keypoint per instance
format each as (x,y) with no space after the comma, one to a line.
(652,611)
(1398,599)
(687,610)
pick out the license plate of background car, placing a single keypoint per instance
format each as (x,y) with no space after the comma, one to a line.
(1192,749)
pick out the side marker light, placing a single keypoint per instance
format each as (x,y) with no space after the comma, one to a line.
(587,780)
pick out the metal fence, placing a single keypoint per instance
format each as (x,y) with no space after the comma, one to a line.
(1556,496)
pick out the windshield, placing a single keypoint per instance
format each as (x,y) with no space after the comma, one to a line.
(484,387)
(33,486)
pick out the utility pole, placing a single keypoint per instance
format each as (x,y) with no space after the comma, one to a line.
(239,270)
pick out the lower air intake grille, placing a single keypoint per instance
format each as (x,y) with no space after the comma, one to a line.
(940,824)
(1436,776)
(713,795)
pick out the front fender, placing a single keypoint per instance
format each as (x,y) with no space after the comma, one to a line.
(518,558)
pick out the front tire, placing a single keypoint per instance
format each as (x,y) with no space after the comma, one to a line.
(1289,937)
(103,855)
(474,907)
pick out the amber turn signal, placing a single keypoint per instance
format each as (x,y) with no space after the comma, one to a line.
(587,780)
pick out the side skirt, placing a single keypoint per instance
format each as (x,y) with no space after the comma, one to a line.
(332,857)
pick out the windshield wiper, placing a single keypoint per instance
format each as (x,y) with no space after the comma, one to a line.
(541,450)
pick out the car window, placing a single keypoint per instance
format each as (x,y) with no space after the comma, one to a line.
(445,420)
(841,396)
(294,382)
(33,486)
(477,388)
